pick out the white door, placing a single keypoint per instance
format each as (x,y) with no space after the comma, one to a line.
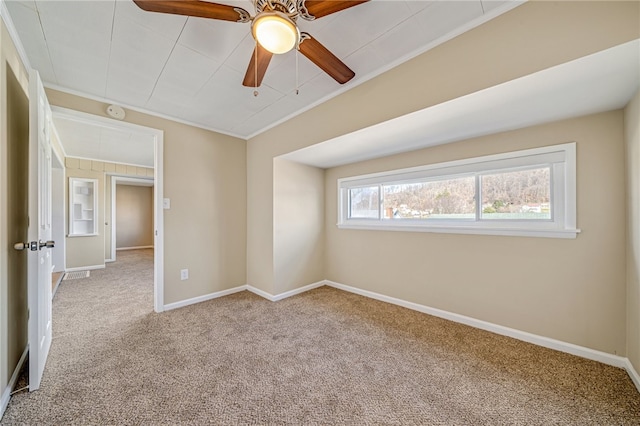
(39,287)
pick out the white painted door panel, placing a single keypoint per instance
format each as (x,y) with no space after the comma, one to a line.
(39,281)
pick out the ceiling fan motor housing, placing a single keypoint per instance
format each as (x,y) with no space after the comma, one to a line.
(288,7)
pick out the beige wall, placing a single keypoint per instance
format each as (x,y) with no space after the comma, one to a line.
(567,289)
(205,176)
(298,214)
(134,216)
(13,319)
(632,136)
(540,35)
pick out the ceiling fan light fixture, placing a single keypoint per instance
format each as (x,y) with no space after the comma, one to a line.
(275,31)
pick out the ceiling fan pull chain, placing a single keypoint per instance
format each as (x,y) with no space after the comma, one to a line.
(297,79)
(255,57)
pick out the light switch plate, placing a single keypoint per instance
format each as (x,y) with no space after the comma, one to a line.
(166,203)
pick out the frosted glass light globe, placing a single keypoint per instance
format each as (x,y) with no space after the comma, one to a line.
(275,32)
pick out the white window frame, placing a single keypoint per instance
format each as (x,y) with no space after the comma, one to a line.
(560,158)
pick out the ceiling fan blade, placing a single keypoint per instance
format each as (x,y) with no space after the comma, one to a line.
(201,9)
(263,58)
(320,8)
(327,61)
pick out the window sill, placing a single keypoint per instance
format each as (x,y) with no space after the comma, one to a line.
(472,230)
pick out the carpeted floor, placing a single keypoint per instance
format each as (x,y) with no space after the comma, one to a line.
(322,357)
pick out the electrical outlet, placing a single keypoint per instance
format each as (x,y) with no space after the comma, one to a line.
(184,274)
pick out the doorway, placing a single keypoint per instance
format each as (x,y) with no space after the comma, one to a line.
(111,144)
(131,214)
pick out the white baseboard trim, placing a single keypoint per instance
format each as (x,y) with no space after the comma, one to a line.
(635,377)
(204,298)
(6,395)
(261,293)
(592,354)
(57,286)
(109,260)
(133,248)
(85,268)
(286,294)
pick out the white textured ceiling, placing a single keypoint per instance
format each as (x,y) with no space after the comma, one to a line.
(191,69)
(90,139)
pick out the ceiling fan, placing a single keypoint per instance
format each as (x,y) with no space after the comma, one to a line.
(273,27)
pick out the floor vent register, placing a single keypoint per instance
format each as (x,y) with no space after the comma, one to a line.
(76,275)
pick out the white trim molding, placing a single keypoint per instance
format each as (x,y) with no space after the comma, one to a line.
(204,298)
(133,248)
(247,287)
(570,348)
(84,268)
(633,373)
(286,294)
(6,394)
(13,32)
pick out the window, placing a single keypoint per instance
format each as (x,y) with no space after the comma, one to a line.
(526,193)
(364,203)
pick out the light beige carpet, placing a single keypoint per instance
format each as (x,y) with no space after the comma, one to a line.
(322,357)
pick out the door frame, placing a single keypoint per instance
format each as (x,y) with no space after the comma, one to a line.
(158,178)
(115,180)
(61,244)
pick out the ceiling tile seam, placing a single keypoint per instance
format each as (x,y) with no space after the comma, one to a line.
(113,24)
(143,23)
(222,61)
(238,46)
(44,36)
(164,66)
(213,73)
(270,104)
(400,23)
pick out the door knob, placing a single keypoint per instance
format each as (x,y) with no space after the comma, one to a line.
(21,246)
(33,246)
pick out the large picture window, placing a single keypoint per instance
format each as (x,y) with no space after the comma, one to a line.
(529,193)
